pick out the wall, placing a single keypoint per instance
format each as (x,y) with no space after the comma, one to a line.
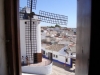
(38,37)
(57,28)
(60,59)
(22,38)
(43,35)
(3,65)
(38,69)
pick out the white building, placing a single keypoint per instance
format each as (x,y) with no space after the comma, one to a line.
(57,28)
(25,38)
(58,53)
(31,47)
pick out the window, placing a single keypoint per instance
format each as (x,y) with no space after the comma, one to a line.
(66,60)
(25,22)
(43,52)
(56,56)
(74,33)
(53,55)
(65,50)
(71,53)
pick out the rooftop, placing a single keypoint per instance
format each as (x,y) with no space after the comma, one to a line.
(55,47)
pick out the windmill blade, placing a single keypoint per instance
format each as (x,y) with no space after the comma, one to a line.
(21,12)
(20,8)
(34,2)
(52,18)
(24,12)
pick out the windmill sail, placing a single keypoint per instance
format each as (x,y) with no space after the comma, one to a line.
(53,18)
(34,2)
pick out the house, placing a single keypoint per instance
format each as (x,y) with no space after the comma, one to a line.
(59,53)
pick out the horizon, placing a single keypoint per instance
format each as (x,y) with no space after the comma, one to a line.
(53,25)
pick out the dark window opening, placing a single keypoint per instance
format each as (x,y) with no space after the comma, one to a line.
(66,60)
(74,33)
(25,22)
(43,52)
(65,50)
(56,56)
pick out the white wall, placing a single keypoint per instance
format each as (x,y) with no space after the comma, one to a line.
(38,37)
(3,66)
(59,58)
(57,28)
(43,35)
(58,39)
(22,37)
(38,69)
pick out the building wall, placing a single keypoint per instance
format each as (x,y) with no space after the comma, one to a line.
(38,38)
(22,37)
(39,70)
(3,65)
(59,58)
(57,28)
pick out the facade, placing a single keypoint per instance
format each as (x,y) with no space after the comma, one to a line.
(58,54)
(30,37)
(31,47)
(25,39)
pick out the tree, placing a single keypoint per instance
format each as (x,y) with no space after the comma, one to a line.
(52,27)
(57,25)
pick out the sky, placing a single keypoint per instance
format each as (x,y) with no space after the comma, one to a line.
(62,7)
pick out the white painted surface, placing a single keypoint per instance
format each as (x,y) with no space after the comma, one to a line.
(63,42)
(43,37)
(22,37)
(38,32)
(38,69)
(3,66)
(60,58)
(52,35)
(57,28)
(58,39)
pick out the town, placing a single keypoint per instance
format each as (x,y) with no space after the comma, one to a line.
(59,40)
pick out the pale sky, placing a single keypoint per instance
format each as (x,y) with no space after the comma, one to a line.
(62,7)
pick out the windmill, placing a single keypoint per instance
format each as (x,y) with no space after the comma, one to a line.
(28,14)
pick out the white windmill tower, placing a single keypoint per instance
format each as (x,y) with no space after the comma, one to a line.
(30,32)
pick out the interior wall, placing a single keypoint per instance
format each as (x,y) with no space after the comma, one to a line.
(3,65)
(83,36)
